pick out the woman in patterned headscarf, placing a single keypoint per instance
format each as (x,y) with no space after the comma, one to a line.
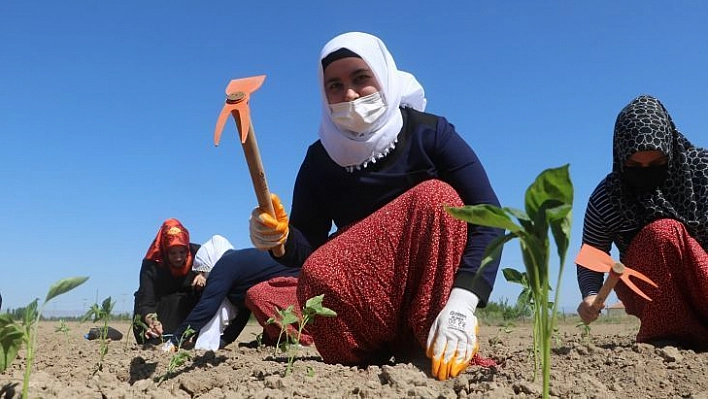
(654,207)
(169,288)
(400,272)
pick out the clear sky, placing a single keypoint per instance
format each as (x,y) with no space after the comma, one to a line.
(107,112)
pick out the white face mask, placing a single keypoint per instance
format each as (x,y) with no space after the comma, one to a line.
(359,115)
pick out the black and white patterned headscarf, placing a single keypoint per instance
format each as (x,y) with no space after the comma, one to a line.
(645,125)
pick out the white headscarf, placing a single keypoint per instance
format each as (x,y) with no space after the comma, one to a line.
(398,89)
(210,253)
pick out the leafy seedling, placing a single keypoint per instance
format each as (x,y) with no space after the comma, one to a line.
(64,329)
(548,204)
(585,330)
(101,314)
(179,358)
(259,340)
(136,323)
(12,335)
(313,307)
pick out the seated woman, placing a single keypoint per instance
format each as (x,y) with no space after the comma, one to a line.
(169,288)
(654,207)
(223,310)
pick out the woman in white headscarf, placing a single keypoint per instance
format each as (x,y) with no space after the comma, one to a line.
(400,272)
(209,337)
(222,312)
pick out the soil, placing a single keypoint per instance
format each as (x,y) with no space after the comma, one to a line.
(607,363)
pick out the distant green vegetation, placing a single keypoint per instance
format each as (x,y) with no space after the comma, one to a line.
(19,314)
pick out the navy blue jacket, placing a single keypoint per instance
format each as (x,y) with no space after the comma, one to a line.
(232,275)
(428,148)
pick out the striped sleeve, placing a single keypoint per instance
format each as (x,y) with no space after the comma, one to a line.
(599,229)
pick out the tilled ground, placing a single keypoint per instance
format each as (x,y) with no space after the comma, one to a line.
(605,364)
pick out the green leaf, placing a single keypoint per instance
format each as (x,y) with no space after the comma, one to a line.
(11,338)
(525,297)
(107,307)
(326,312)
(93,312)
(30,315)
(314,302)
(64,285)
(551,184)
(494,250)
(314,306)
(521,216)
(561,229)
(484,215)
(515,276)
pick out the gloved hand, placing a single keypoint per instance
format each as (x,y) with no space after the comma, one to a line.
(452,340)
(267,232)
(168,347)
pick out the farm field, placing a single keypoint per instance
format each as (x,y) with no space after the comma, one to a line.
(604,364)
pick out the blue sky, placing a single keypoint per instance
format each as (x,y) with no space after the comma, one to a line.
(107,111)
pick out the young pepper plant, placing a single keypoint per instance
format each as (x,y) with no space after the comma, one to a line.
(313,307)
(101,314)
(548,204)
(12,335)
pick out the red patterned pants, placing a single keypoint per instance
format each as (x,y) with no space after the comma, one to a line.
(387,277)
(665,252)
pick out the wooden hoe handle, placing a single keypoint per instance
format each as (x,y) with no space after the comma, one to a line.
(260,185)
(615,274)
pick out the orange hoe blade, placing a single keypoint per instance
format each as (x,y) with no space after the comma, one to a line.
(597,260)
(238,96)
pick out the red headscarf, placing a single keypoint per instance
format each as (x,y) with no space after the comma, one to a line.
(171,234)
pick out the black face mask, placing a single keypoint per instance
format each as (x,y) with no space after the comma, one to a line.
(645,179)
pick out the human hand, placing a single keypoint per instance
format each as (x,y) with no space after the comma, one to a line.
(154,326)
(452,340)
(268,232)
(589,313)
(199,281)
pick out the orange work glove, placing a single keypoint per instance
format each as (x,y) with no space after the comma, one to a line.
(452,340)
(268,232)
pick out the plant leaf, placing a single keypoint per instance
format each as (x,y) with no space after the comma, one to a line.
(64,285)
(560,228)
(30,314)
(484,215)
(107,307)
(314,306)
(521,216)
(551,184)
(11,338)
(494,250)
(515,276)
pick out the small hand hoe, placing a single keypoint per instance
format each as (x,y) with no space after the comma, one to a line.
(597,260)
(238,94)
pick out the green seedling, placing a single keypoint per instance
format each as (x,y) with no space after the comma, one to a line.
(259,340)
(101,314)
(179,358)
(64,329)
(12,335)
(548,204)
(136,322)
(291,345)
(584,330)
